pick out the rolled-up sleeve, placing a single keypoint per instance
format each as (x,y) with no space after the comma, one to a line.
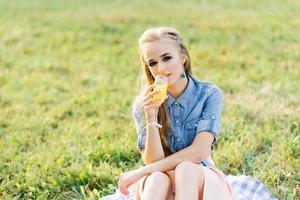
(140,124)
(210,120)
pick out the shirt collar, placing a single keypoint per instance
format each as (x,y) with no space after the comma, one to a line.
(184,98)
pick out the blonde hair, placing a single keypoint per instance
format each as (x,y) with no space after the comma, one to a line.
(152,35)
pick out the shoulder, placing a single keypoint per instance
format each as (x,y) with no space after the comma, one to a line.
(207,88)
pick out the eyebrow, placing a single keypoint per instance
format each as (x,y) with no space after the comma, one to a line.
(160,56)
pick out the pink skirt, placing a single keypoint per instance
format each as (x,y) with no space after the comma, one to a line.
(215,186)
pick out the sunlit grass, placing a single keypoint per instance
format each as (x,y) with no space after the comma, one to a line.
(68,73)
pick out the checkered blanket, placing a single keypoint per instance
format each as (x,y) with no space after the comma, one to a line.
(247,188)
(244,188)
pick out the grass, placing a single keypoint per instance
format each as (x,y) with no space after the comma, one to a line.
(67,71)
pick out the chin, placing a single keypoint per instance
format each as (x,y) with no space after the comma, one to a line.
(171,81)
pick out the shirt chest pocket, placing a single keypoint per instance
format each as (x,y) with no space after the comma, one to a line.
(190,128)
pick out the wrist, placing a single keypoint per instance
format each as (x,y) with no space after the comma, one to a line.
(151,119)
(155,124)
(151,116)
(144,170)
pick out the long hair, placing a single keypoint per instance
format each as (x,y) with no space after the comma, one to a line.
(152,35)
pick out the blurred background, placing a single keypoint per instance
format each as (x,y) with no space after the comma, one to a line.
(68,71)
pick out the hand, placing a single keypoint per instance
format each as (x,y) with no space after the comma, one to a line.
(150,104)
(129,178)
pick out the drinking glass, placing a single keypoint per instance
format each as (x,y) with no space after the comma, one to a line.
(161,84)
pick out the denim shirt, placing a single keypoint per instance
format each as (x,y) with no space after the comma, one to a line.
(197,110)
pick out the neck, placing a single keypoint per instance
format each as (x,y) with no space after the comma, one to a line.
(178,87)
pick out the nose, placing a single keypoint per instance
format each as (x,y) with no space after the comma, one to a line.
(161,68)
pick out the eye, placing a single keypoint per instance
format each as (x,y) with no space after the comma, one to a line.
(167,58)
(152,64)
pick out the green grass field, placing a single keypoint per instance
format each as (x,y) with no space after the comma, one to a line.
(68,72)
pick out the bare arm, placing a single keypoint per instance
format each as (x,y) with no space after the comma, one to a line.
(153,150)
(145,111)
(199,150)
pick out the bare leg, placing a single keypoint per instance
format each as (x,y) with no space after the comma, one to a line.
(189,181)
(157,186)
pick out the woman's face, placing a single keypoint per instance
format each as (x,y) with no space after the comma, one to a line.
(163,57)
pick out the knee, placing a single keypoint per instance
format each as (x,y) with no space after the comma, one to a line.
(184,168)
(188,170)
(158,178)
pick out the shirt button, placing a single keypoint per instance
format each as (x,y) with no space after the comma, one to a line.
(177,121)
(176,103)
(196,125)
(178,140)
(213,117)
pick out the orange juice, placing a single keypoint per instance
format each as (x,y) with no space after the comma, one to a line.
(162,94)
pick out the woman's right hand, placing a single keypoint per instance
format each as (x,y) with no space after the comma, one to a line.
(150,105)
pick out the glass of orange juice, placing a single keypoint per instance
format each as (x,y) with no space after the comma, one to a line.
(161,84)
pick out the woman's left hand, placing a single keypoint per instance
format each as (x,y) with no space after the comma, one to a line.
(129,178)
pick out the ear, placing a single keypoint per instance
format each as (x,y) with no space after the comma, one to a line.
(184,59)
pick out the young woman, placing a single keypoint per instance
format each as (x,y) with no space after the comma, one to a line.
(177,153)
